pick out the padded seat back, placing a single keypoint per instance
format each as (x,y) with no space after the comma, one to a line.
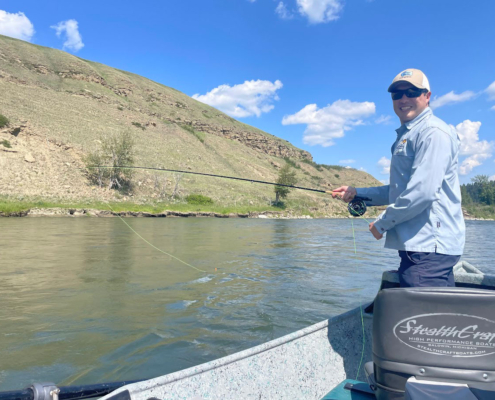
(445,334)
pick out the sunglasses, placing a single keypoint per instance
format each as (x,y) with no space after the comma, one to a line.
(411,93)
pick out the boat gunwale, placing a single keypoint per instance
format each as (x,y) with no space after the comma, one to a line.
(238,356)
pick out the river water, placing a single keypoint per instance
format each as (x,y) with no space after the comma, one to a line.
(86,300)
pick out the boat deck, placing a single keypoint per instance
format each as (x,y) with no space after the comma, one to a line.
(340,393)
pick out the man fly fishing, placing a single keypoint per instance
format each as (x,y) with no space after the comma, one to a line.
(423,220)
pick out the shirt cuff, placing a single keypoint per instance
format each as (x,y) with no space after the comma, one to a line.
(383,224)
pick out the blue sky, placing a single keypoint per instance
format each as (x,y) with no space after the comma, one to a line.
(314,72)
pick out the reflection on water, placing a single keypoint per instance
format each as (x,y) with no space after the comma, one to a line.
(86,300)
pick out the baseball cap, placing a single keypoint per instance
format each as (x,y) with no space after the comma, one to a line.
(414,76)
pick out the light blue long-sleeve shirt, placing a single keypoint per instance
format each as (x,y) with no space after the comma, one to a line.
(424,194)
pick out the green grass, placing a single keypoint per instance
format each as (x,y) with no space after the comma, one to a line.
(313,164)
(292,163)
(12,206)
(199,135)
(481,211)
(6,143)
(320,167)
(198,199)
(4,121)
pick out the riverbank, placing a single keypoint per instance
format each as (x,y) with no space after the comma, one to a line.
(46,208)
(290,210)
(91,212)
(84,212)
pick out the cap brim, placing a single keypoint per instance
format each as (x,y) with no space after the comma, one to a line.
(394,85)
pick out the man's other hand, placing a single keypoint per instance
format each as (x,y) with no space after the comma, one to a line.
(346,193)
(375,232)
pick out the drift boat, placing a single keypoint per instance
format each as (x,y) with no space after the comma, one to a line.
(408,343)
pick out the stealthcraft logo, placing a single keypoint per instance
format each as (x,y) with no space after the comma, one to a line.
(443,334)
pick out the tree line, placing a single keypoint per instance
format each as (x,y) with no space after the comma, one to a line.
(480,191)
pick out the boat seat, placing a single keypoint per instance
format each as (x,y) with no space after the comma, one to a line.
(444,335)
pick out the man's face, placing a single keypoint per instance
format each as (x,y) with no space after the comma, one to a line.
(409,108)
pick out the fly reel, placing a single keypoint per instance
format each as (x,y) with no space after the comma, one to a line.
(357,207)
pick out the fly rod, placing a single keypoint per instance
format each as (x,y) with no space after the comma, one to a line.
(356,207)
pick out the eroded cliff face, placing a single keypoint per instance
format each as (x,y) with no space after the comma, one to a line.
(126,91)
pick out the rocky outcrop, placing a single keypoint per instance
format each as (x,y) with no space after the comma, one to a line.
(256,141)
(253,140)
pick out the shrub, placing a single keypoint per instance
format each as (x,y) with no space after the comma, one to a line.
(116,152)
(313,164)
(198,199)
(4,121)
(138,125)
(337,176)
(337,167)
(292,163)
(286,176)
(6,143)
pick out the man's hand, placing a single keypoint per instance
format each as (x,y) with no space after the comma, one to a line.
(375,232)
(345,193)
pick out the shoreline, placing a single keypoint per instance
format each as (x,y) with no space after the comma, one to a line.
(96,213)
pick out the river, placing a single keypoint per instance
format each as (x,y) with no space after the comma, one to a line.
(86,300)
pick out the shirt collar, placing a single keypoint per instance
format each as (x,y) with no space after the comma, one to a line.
(411,124)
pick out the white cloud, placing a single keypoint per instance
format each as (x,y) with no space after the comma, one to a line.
(283,12)
(384,162)
(319,11)
(362,169)
(383,119)
(73,40)
(384,181)
(451,98)
(490,90)
(347,161)
(328,123)
(492,178)
(493,108)
(476,150)
(16,25)
(243,100)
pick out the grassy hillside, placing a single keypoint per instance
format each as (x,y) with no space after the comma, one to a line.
(60,107)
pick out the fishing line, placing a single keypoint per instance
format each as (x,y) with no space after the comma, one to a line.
(356,208)
(360,306)
(151,244)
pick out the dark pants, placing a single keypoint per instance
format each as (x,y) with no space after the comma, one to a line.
(426,269)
